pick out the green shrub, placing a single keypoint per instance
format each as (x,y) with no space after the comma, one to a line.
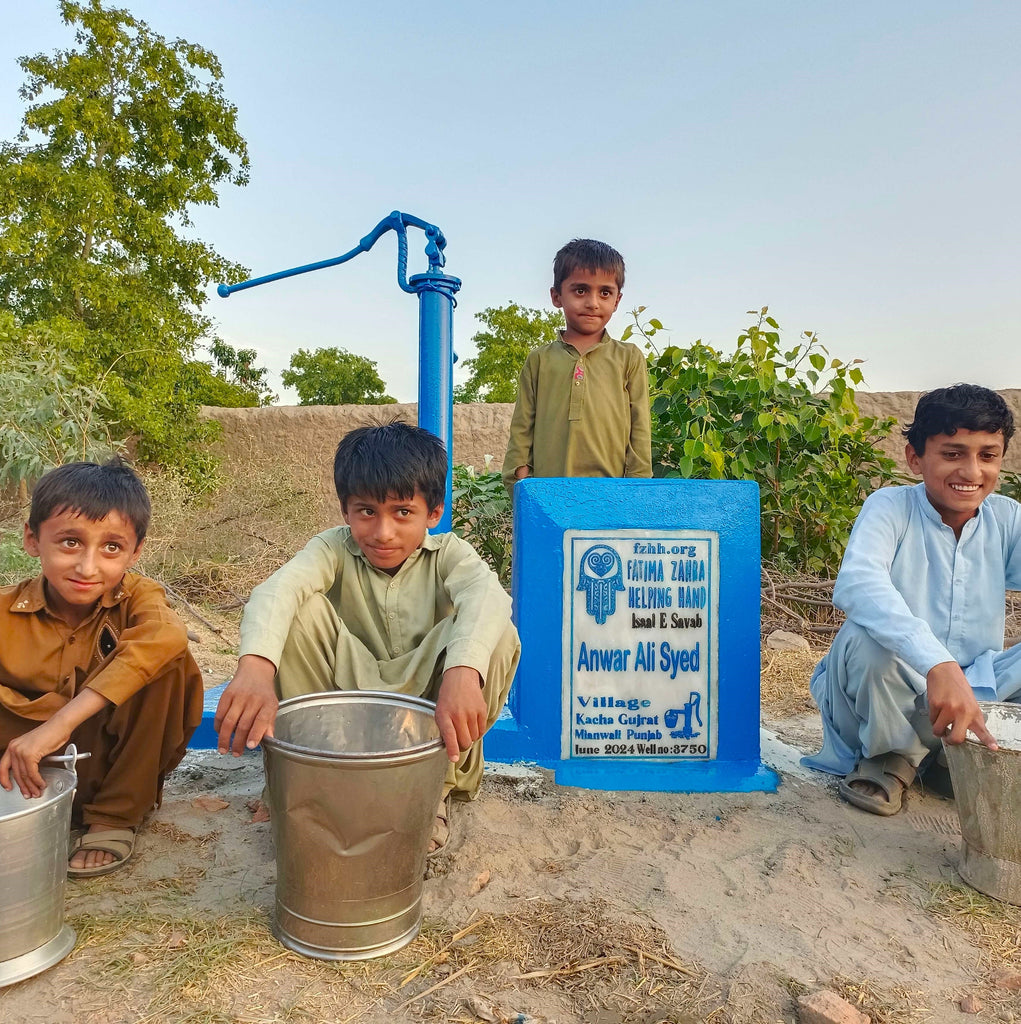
(786,418)
(15,563)
(481,514)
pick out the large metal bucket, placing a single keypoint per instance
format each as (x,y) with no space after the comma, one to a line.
(987,787)
(33,868)
(354,779)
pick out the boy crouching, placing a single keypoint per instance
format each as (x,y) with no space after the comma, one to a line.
(922,584)
(91,653)
(380,604)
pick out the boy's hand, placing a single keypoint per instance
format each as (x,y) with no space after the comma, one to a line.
(248,707)
(953,709)
(460,709)
(20,762)
(521,472)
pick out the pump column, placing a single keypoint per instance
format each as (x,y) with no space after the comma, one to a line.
(436,293)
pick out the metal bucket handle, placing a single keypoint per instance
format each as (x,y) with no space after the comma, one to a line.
(68,759)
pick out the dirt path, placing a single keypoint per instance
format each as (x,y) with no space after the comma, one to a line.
(618,907)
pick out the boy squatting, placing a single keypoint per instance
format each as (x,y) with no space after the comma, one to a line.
(583,401)
(90,652)
(380,604)
(922,584)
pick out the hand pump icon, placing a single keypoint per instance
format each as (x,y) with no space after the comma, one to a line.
(435,291)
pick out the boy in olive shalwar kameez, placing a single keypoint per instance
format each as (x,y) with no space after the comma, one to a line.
(380,604)
(583,400)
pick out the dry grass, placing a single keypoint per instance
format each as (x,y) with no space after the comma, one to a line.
(579,959)
(784,682)
(216,547)
(993,926)
(884,1004)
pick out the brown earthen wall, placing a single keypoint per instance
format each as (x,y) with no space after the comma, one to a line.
(480,429)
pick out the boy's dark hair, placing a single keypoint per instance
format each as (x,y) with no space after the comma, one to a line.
(92,491)
(962,406)
(587,254)
(394,460)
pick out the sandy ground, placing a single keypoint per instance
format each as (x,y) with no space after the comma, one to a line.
(583,906)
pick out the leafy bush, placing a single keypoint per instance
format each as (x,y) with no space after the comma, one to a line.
(16,563)
(481,514)
(786,418)
(46,417)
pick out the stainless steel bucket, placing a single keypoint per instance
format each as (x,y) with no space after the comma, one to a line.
(987,787)
(354,779)
(33,868)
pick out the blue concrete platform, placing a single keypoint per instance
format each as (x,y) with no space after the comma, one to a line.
(637,602)
(204,737)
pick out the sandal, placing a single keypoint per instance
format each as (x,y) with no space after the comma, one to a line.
(118,841)
(891,773)
(441,829)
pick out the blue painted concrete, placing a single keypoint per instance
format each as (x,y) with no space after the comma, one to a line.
(204,737)
(531,730)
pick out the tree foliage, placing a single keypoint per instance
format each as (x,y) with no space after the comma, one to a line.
(334,376)
(784,417)
(123,134)
(46,419)
(512,332)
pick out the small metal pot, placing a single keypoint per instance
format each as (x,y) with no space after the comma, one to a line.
(34,839)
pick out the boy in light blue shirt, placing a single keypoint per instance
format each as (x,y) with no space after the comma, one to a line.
(922,585)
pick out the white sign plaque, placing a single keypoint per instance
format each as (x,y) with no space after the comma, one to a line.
(641,644)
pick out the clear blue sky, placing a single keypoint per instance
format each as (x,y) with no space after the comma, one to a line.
(854,166)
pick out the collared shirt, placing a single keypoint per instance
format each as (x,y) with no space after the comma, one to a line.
(128,638)
(922,593)
(390,615)
(582,415)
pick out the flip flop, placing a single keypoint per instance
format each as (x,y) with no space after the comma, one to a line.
(441,828)
(118,841)
(892,773)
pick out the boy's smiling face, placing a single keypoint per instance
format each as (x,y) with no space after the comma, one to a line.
(588,298)
(82,559)
(960,471)
(388,532)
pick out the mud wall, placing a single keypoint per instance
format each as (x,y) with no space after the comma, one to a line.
(479,429)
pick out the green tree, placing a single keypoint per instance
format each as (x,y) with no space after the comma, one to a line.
(784,417)
(46,419)
(334,376)
(123,134)
(512,332)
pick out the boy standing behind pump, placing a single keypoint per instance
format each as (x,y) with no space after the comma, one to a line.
(583,401)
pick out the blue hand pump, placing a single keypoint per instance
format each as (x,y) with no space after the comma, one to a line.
(435,291)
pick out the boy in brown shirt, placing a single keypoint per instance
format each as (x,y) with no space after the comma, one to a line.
(92,653)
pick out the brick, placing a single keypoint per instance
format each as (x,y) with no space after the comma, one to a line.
(972,1004)
(826,1007)
(1006,978)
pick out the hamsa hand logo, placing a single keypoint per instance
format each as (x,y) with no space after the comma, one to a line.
(600,575)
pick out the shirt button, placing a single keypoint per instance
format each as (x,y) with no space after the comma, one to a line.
(397,650)
(70,639)
(392,615)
